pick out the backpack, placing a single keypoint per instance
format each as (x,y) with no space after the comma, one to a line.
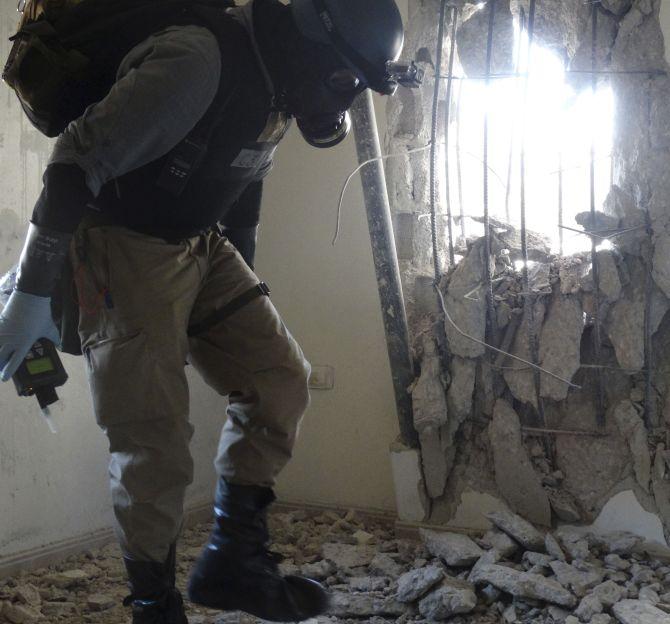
(67,58)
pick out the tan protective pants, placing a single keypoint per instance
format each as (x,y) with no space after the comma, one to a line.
(138,295)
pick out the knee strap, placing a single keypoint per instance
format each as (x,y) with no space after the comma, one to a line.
(260,290)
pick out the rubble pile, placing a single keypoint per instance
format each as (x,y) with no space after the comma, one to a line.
(550,447)
(512,574)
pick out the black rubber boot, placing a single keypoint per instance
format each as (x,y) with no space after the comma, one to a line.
(153,598)
(236,572)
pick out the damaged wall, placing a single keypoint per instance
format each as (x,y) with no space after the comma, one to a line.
(568,474)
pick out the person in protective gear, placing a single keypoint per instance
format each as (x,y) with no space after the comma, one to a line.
(143,196)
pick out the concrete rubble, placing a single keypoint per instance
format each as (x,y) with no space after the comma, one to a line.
(526,578)
(555,453)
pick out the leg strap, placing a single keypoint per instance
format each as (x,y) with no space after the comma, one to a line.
(260,290)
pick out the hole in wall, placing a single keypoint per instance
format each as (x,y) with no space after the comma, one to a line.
(560,122)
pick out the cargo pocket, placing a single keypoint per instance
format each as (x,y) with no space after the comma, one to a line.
(120,372)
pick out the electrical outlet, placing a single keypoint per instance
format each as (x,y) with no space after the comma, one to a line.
(322,378)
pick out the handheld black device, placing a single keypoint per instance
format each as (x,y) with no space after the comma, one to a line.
(40,373)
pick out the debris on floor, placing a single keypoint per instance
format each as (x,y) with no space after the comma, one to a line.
(513,574)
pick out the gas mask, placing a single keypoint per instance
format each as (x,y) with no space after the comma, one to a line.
(320,102)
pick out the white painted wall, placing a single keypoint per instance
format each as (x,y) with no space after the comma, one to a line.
(54,487)
(328,297)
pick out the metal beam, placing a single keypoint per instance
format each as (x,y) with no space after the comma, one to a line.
(385,261)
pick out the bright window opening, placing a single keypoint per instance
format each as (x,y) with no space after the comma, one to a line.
(560,120)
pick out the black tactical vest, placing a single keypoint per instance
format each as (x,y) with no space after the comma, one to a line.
(241,134)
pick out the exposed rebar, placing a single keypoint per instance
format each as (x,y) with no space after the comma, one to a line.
(610,72)
(434,183)
(447,124)
(529,298)
(597,351)
(648,334)
(491,320)
(561,236)
(510,156)
(566,432)
(459,164)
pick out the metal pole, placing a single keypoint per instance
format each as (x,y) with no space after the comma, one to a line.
(386,262)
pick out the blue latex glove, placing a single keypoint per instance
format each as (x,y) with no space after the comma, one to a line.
(25,319)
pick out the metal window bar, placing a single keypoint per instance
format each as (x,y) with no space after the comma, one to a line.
(529,298)
(648,334)
(459,163)
(597,345)
(491,320)
(434,184)
(447,124)
(601,72)
(510,157)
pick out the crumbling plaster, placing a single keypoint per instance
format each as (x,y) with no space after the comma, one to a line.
(488,448)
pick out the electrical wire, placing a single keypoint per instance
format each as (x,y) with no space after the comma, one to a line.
(415,150)
(440,296)
(484,344)
(355,171)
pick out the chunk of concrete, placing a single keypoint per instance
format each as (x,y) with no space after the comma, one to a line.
(347,555)
(345,605)
(519,378)
(519,529)
(500,542)
(472,35)
(639,612)
(434,461)
(20,614)
(453,597)
(632,429)
(609,593)
(416,583)
(560,342)
(563,505)
(454,548)
(553,548)
(571,576)
(523,584)
(618,542)
(517,481)
(465,298)
(461,390)
(625,324)
(429,403)
(410,491)
(610,281)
